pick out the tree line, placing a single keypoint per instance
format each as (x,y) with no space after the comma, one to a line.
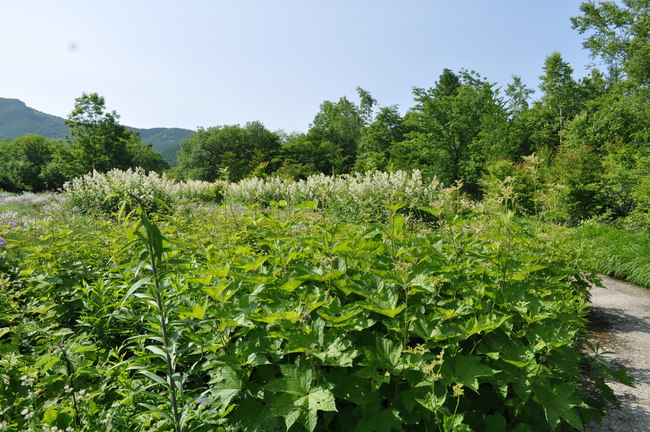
(96,141)
(585,141)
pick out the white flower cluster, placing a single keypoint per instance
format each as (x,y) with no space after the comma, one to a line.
(26,380)
(356,192)
(90,190)
(47,428)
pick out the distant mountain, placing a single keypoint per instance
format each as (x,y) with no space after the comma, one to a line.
(17,119)
(165,140)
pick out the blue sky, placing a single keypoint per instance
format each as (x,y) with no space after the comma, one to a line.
(195,63)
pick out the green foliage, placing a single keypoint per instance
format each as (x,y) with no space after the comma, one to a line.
(618,35)
(145,157)
(235,150)
(373,151)
(333,143)
(610,187)
(230,319)
(615,119)
(299,158)
(560,91)
(515,187)
(518,95)
(99,143)
(612,251)
(336,131)
(447,122)
(580,170)
(30,163)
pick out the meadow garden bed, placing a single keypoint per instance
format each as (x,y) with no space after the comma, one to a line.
(286,317)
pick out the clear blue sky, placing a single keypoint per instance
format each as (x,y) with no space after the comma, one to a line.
(204,63)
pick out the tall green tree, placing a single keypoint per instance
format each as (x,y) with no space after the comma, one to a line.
(562,100)
(29,163)
(619,35)
(333,142)
(366,105)
(373,151)
(232,151)
(336,130)
(97,140)
(560,93)
(518,106)
(446,123)
(518,96)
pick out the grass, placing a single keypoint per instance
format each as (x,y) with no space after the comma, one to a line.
(615,252)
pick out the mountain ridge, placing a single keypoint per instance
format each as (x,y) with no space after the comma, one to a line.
(17,119)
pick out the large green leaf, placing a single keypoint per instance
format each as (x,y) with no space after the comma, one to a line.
(382,298)
(484,323)
(384,354)
(336,351)
(253,415)
(559,404)
(226,384)
(466,369)
(301,399)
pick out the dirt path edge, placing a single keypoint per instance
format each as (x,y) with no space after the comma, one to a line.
(621,317)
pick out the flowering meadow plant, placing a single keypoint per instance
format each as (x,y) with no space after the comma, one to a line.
(351,196)
(89,193)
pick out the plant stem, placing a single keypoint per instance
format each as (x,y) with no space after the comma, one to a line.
(68,365)
(165,335)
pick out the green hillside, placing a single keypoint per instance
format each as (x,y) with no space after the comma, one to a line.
(164,140)
(17,119)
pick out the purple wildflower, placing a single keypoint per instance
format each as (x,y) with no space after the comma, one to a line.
(12,224)
(3,242)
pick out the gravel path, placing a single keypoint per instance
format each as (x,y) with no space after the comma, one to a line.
(621,323)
